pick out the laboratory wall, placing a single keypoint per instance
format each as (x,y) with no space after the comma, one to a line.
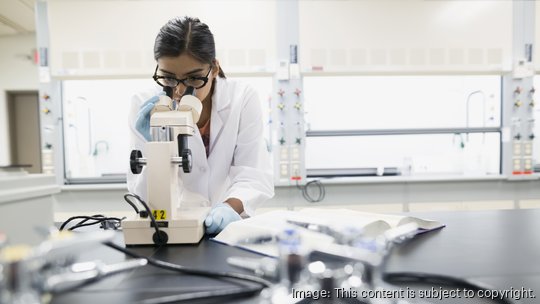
(335,36)
(405,36)
(19,73)
(121,43)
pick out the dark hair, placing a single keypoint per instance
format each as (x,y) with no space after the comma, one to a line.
(186,35)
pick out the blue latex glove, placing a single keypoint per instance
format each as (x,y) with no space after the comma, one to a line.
(219,217)
(142,122)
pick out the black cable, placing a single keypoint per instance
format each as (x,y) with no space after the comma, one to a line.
(145,205)
(229,293)
(98,219)
(86,220)
(427,278)
(305,191)
(130,202)
(84,217)
(84,223)
(82,284)
(192,271)
(105,220)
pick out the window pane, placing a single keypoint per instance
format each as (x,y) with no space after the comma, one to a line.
(394,102)
(415,154)
(96,136)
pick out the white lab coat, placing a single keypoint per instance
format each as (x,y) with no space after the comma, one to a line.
(238,165)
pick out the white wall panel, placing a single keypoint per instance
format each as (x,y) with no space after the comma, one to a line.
(405,35)
(100,38)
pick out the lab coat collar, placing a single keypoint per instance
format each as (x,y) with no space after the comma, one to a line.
(220,97)
(220,103)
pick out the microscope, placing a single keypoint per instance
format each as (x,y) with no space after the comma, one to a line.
(170,124)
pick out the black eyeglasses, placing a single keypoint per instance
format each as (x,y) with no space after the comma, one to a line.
(172,82)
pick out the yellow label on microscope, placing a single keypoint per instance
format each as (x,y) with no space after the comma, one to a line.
(159,214)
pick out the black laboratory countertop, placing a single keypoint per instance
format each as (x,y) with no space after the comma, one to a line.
(500,248)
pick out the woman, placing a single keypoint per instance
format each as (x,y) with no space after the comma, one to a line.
(231,167)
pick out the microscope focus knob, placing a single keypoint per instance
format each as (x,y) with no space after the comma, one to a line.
(186,160)
(136,167)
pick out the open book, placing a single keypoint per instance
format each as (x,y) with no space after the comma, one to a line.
(259,233)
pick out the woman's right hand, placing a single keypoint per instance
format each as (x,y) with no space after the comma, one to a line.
(142,122)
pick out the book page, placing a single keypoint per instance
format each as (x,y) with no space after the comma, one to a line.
(365,218)
(356,218)
(268,226)
(423,224)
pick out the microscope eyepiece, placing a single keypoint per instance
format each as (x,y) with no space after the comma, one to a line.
(189,91)
(168,91)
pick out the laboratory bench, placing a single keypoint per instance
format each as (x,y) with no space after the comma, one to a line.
(500,248)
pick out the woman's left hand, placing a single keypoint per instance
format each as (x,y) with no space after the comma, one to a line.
(219,217)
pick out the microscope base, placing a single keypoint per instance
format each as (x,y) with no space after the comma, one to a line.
(186,228)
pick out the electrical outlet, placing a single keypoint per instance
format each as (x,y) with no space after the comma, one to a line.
(284,152)
(296,169)
(47,158)
(284,171)
(517,164)
(295,154)
(527,147)
(527,164)
(517,148)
